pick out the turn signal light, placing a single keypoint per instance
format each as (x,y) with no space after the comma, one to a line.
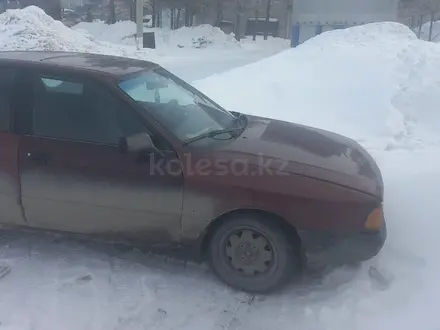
(374,219)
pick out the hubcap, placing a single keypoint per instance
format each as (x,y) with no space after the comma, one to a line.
(249,252)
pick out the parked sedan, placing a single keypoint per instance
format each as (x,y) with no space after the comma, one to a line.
(123,150)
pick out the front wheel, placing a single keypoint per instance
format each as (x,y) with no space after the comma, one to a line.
(253,254)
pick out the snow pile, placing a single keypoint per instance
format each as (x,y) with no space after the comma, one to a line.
(122,32)
(376,83)
(32,29)
(200,37)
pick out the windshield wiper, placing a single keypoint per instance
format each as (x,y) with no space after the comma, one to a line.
(212,134)
(240,119)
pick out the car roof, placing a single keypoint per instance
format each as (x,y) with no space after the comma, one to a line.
(113,65)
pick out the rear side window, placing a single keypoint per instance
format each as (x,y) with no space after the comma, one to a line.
(7,78)
(80,111)
(59,86)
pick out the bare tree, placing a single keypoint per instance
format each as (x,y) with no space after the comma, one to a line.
(239,9)
(266,28)
(112,12)
(257,20)
(177,22)
(153,13)
(219,11)
(427,10)
(175,6)
(433,6)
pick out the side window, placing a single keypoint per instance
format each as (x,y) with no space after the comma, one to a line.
(80,111)
(7,79)
(59,86)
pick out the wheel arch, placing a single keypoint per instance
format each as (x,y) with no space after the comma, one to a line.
(217,222)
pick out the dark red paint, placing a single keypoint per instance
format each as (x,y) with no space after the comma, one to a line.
(309,178)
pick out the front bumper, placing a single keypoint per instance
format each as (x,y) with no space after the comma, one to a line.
(329,248)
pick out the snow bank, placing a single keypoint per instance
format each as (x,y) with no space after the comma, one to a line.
(32,29)
(197,36)
(122,32)
(376,83)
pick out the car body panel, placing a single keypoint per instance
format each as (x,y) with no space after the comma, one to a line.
(11,212)
(296,149)
(323,181)
(89,189)
(98,64)
(324,247)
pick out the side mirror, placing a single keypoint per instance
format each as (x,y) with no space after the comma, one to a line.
(137,143)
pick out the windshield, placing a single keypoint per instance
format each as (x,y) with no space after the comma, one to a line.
(185,112)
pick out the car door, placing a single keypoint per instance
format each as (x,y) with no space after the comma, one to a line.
(10,210)
(73,176)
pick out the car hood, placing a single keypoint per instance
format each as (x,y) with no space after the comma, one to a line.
(307,151)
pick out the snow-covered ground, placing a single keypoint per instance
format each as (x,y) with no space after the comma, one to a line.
(181,50)
(122,32)
(378,84)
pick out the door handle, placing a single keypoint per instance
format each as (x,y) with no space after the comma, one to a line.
(40,158)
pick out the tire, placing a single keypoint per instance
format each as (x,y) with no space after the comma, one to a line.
(228,247)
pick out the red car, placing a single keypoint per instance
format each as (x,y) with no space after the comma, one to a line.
(123,150)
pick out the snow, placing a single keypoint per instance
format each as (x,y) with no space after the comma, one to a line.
(376,83)
(181,50)
(123,32)
(185,37)
(32,29)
